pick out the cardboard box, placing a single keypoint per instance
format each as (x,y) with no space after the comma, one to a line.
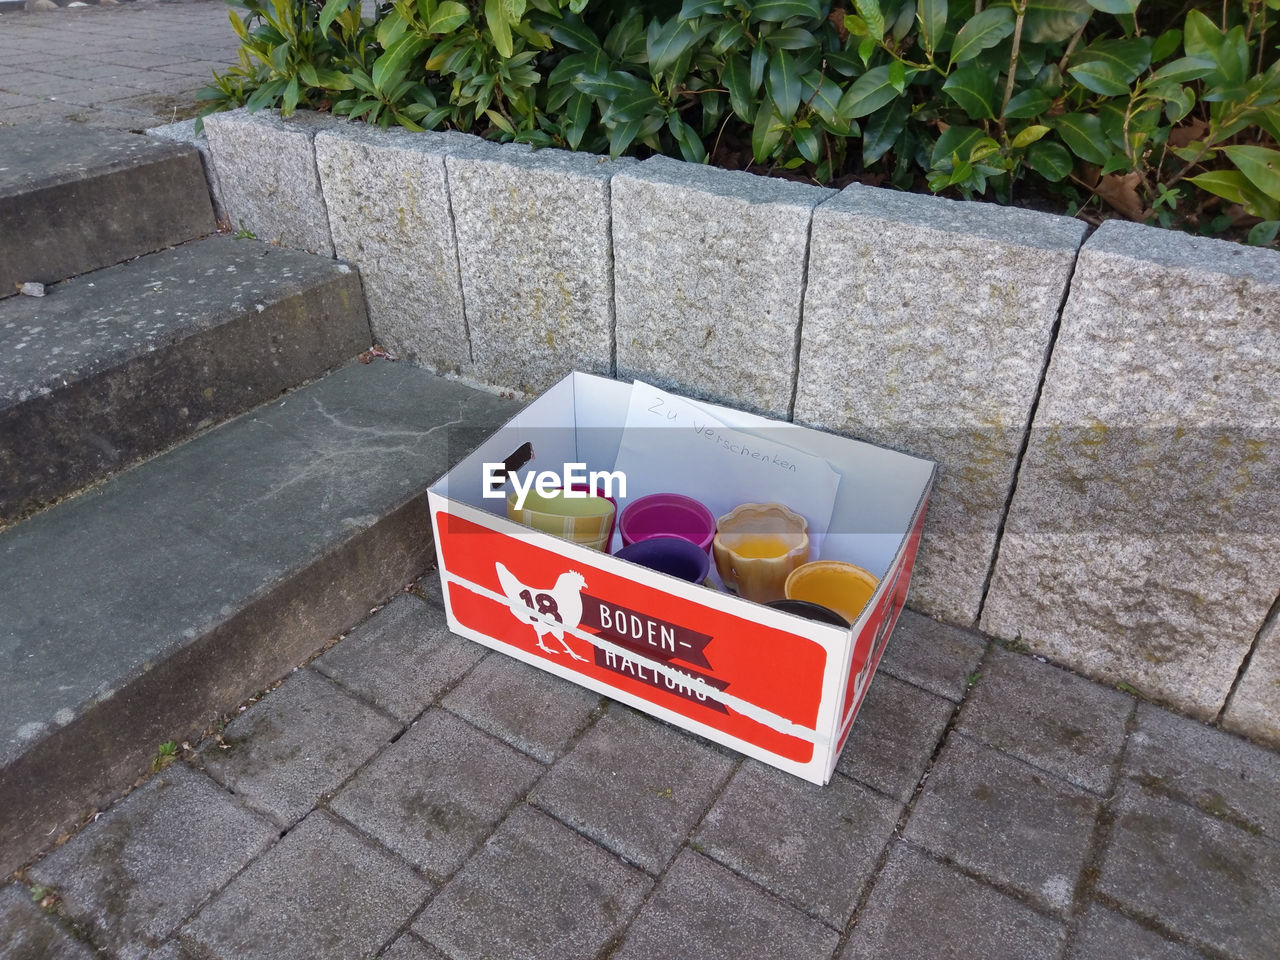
(771,685)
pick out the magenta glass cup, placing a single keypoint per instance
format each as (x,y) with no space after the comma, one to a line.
(667,515)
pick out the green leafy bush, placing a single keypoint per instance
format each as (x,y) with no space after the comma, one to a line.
(1086,100)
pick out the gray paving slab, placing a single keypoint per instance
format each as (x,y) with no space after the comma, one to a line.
(409,947)
(322,893)
(815,847)
(1010,823)
(922,910)
(635,785)
(1065,724)
(1193,875)
(528,708)
(936,656)
(28,933)
(136,873)
(1221,774)
(702,910)
(301,742)
(896,732)
(437,792)
(1107,935)
(401,659)
(535,891)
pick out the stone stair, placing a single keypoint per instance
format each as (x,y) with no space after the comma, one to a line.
(153,600)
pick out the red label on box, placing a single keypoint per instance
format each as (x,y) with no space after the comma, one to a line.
(676,641)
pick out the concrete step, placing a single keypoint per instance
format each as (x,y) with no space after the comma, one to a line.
(115,365)
(74,199)
(145,608)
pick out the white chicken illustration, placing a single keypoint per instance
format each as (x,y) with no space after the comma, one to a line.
(549,611)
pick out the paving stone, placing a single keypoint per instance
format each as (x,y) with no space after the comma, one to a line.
(322,893)
(948,321)
(266,170)
(136,873)
(635,785)
(1140,544)
(894,736)
(437,791)
(1106,935)
(1196,876)
(401,658)
(1009,822)
(535,891)
(534,252)
(710,270)
(26,933)
(409,947)
(1223,775)
(921,910)
(528,708)
(387,193)
(300,742)
(1254,708)
(813,846)
(936,656)
(1048,717)
(702,910)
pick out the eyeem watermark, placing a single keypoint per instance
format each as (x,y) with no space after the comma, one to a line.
(574,480)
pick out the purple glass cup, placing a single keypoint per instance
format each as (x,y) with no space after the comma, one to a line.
(671,555)
(667,515)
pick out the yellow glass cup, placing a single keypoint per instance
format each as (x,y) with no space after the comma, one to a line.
(834,584)
(756,547)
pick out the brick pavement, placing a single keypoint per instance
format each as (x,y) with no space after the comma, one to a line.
(127,67)
(409,795)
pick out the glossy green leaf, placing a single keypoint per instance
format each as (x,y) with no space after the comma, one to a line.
(1201,36)
(869,93)
(390,68)
(1234,186)
(1029,135)
(622,136)
(1166,45)
(823,97)
(905,22)
(736,77)
(1260,164)
(766,132)
(1082,132)
(1101,77)
(882,130)
(687,139)
(808,143)
(1129,57)
(574,34)
(727,36)
(495,15)
(328,14)
(697,8)
(973,88)
(1185,69)
(1264,233)
(389,29)
(871,14)
(759,60)
(932,15)
(449,16)
(672,40)
(1117,7)
(289,103)
(955,142)
(1051,160)
(982,32)
(577,118)
(782,83)
(1054,21)
(775,11)
(1028,104)
(792,38)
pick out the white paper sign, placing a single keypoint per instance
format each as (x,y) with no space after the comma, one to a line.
(671,445)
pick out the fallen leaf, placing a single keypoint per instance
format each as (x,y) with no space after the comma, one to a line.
(1122,193)
(1185,134)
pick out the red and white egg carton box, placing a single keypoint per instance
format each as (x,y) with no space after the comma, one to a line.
(768,684)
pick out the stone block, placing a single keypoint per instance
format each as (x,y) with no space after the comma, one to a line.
(535,259)
(299,743)
(322,893)
(1067,725)
(437,792)
(1105,935)
(1140,545)
(814,846)
(936,656)
(401,658)
(921,910)
(1005,821)
(927,323)
(27,933)
(535,889)
(1254,708)
(703,910)
(1220,774)
(526,707)
(184,131)
(132,876)
(1193,875)
(387,195)
(634,785)
(266,171)
(709,268)
(894,737)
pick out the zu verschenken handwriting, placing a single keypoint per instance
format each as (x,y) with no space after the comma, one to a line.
(741,449)
(548,483)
